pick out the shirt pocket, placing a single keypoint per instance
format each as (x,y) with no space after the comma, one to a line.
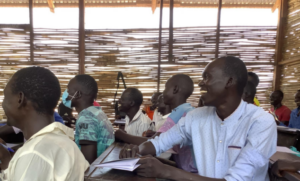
(233,153)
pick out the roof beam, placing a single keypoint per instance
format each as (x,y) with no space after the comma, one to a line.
(276,5)
(154,4)
(51,5)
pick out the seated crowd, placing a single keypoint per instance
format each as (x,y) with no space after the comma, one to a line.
(228,137)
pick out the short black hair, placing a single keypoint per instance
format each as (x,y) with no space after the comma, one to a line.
(135,95)
(255,78)
(89,84)
(279,92)
(186,84)
(250,89)
(40,86)
(236,68)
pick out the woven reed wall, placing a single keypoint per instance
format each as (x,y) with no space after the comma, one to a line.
(135,52)
(290,76)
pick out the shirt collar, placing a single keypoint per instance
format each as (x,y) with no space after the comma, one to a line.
(166,116)
(90,109)
(235,116)
(53,127)
(136,116)
(181,106)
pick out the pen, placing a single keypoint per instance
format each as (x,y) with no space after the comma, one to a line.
(9,149)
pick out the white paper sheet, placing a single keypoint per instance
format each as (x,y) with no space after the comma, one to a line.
(128,164)
(285,150)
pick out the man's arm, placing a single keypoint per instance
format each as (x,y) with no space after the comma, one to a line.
(151,167)
(127,138)
(89,150)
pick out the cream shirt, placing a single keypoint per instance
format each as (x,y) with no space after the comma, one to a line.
(138,125)
(49,155)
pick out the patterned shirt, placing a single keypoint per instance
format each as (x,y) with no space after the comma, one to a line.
(139,124)
(237,148)
(93,125)
(295,119)
(184,157)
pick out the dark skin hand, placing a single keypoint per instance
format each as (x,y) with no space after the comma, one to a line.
(152,167)
(5,157)
(284,165)
(89,150)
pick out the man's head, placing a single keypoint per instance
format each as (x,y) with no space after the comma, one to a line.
(276,97)
(297,98)
(82,89)
(177,87)
(154,99)
(253,77)
(226,76)
(249,93)
(131,98)
(161,107)
(33,89)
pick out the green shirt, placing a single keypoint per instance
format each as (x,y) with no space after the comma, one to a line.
(93,125)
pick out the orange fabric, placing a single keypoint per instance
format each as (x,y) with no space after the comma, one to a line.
(149,112)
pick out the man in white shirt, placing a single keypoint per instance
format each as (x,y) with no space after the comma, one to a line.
(136,121)
(232,140)
(49,153)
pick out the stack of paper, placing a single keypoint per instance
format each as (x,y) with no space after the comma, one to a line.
(285,150)
(120,121)
(128,164)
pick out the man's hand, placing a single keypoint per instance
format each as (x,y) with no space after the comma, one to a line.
(150,167)
(283,165)
(5,157)
(129,151)
(149,133)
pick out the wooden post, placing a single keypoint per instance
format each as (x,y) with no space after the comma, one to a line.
(171,31)
(281,27)
(31,39)
(159,43)
(81,37)
(218,30)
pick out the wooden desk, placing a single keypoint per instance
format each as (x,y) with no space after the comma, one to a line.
(105,174)
(291,176)
(288,138)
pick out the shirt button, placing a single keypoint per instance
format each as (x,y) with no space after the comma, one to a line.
(220,141)
(222,123)
(218,161)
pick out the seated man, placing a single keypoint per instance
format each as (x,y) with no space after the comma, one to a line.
(177,90)
(49,152)
(232,140)
(279,111)
(294,117)
(94,132)
(151,110)
(136,121)
(253,77)
(249,93)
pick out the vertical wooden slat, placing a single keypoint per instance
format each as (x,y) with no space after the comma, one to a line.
(281,26)
(31,30)
(159,43)
(218,29)
(81,37)
(171,31)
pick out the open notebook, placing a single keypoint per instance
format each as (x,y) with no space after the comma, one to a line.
(128,164)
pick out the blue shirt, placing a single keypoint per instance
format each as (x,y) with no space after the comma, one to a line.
(57,118)
(236,149)
(294,119)
(93,125)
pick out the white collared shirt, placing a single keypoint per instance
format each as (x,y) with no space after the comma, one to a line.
(237,149)
(139,124)
(49,155)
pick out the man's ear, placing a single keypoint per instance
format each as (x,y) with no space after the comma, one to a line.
(132,103)
(176,89)
(230,82)
(78,95)
(22,100)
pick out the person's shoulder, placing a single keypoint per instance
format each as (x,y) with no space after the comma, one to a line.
(285,108)
(258,114)
(295,111)
(144,119)
(200,111)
